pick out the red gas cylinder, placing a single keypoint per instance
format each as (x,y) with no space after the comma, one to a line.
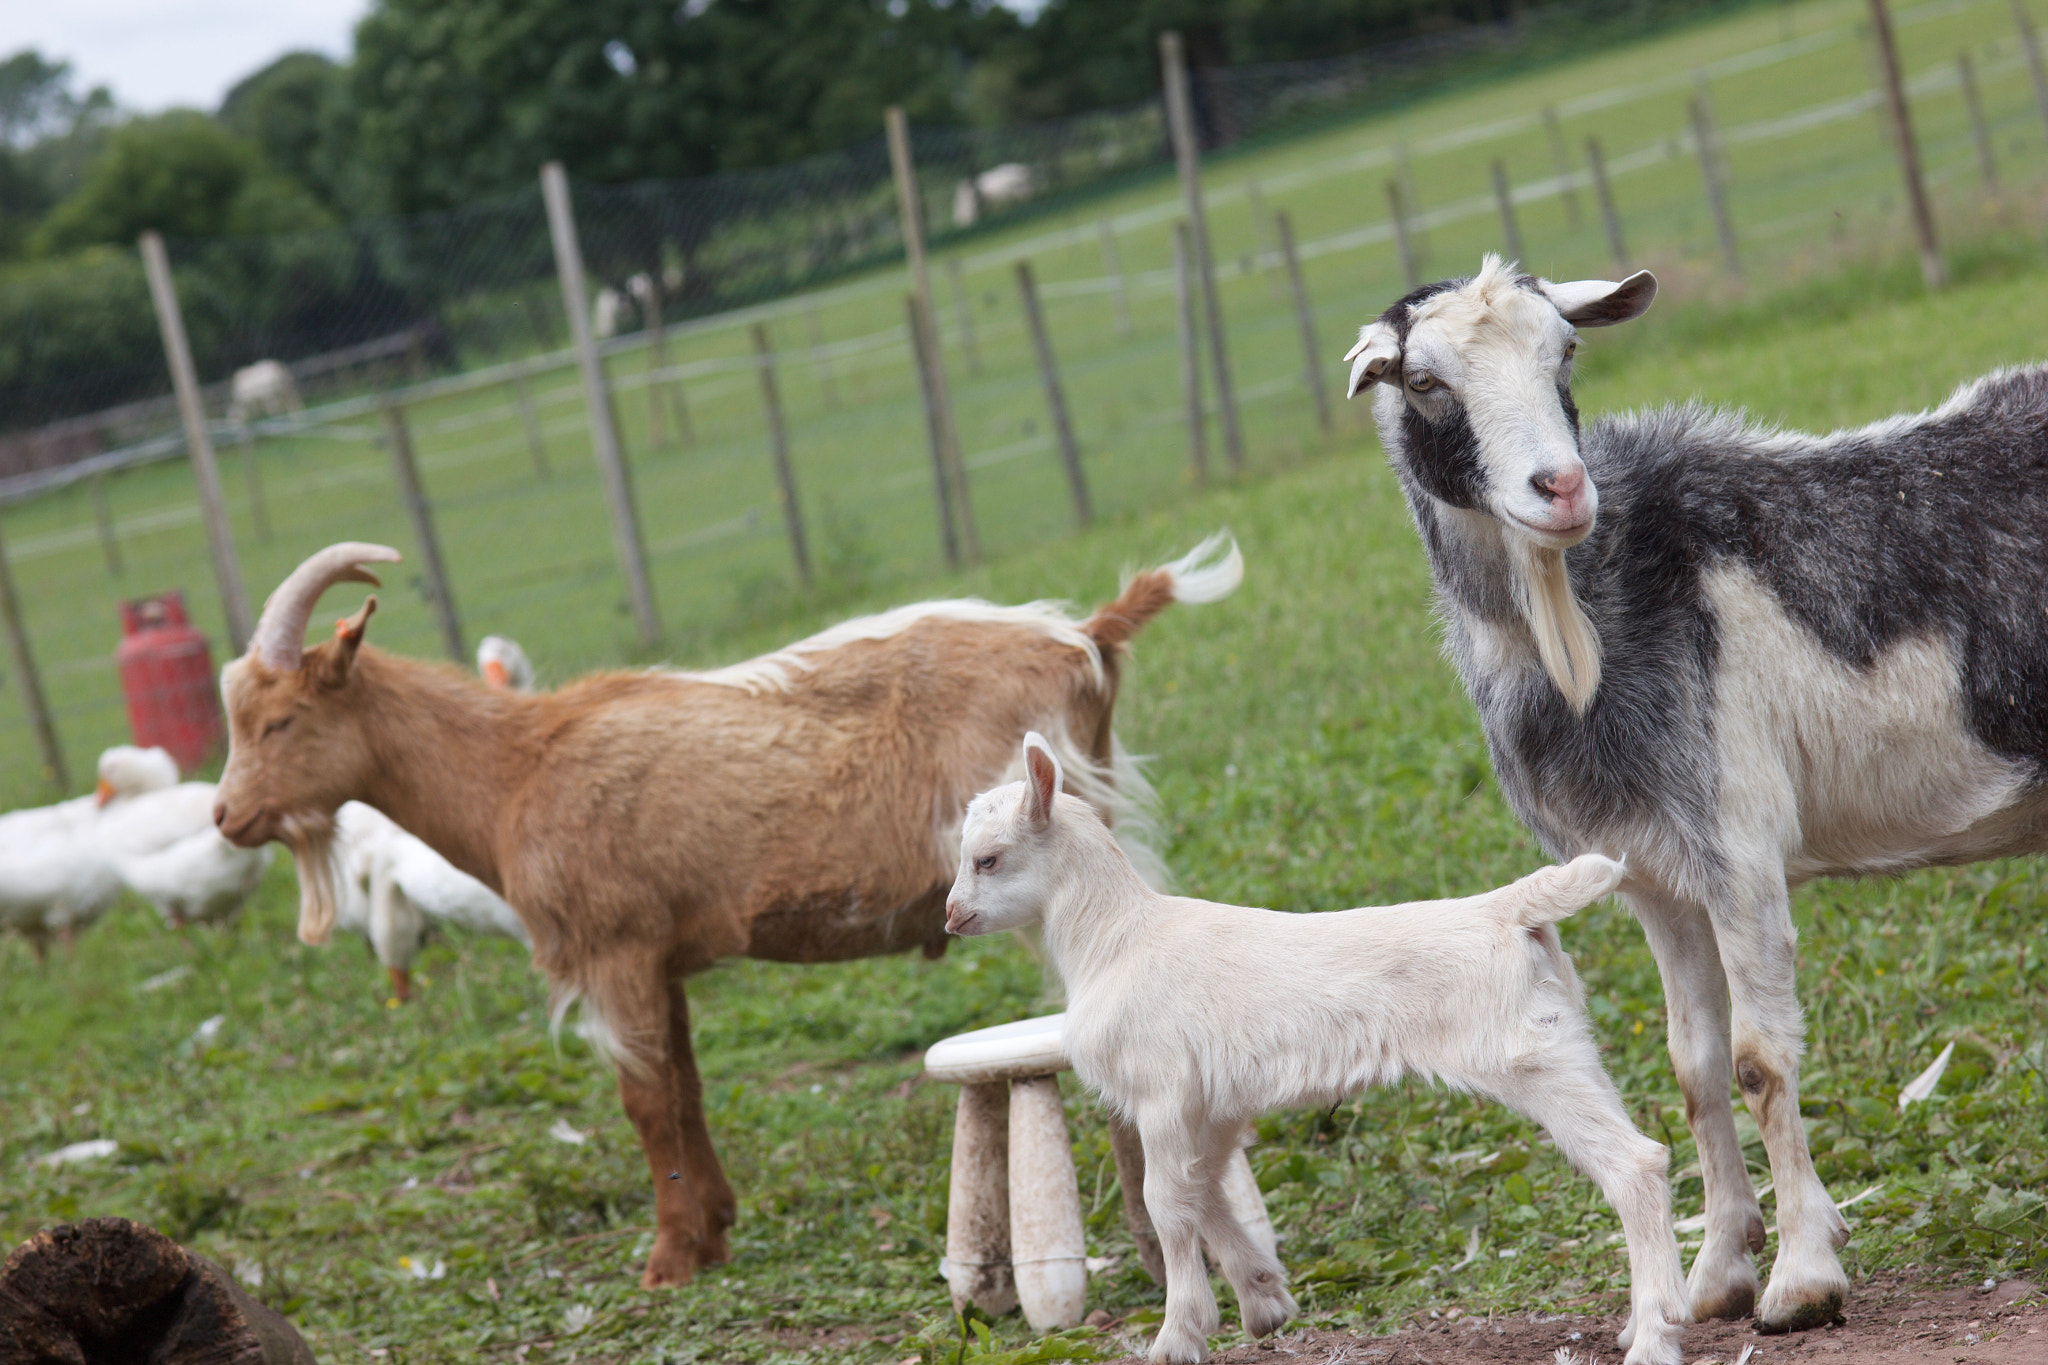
(167,677)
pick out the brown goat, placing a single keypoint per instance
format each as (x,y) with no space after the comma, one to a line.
(801,807)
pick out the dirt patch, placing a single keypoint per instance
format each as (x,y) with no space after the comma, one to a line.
(1895,1321)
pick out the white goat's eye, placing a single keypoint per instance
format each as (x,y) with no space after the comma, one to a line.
(985,861)
(1571,348)
(1422,383)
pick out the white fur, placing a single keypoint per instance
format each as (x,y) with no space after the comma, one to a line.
(1193,1018)
(264,389)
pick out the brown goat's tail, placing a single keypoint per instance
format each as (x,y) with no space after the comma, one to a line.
(1208,573)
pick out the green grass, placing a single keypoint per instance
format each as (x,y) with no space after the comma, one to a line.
(532,558)
(1314,752)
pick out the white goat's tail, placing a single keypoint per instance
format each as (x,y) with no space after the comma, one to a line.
(1550,894)
(1208,573)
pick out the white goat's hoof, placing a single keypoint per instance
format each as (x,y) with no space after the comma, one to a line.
(1723,1282)
(1805,1295)
(1265,1314)
(1663,1344)
(1179,1343)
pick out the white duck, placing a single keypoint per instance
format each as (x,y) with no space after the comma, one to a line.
(504,664)
(56,872)
(393,887)
(199,879)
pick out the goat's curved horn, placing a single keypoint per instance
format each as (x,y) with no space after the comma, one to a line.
(281,632)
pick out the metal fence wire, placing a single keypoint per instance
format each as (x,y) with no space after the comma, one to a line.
(768,391)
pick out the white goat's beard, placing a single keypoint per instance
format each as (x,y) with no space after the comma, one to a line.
(311,840)
(1565,640)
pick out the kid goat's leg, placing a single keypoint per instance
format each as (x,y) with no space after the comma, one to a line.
(1179,1185)
(663,1096)
(1570,1095)
(1723,1283)
(1252,1269)
(1754,927)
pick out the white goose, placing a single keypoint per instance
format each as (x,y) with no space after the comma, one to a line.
(56,872)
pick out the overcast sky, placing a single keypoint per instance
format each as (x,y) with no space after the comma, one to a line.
(157,53)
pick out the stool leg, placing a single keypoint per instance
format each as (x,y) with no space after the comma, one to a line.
(1129,1151)
(1046,1245)
(1247,1205)
(977,1264)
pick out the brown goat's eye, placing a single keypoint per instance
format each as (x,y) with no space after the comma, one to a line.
(1422,383)
(985,861)
(276,725)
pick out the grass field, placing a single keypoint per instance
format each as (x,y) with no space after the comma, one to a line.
(391,1174)
(1813,184)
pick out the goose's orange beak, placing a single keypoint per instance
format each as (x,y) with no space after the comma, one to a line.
(103,793)
(496,676)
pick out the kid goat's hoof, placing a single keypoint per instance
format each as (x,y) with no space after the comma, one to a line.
(1181,1345)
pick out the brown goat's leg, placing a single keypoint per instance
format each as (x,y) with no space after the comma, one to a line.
(693,1204)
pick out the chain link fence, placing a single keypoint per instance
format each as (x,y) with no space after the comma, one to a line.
(453,327)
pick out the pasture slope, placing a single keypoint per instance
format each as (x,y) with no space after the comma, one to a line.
(440,1183)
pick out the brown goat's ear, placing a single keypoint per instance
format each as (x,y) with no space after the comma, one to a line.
(1041,781)
(348,637)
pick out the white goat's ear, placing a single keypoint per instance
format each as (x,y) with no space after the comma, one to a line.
(1377,354)
(1602,303)
(1041,780)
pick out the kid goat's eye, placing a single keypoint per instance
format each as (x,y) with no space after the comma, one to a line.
(985,861)
(1571,348)
(1422,383)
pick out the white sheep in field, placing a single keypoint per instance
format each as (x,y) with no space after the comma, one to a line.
(264,389)
(1193,1018)
(997,187)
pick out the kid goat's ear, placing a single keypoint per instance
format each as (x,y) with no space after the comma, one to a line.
(1041,781)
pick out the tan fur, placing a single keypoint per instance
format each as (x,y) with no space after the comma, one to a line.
(1565,639)
(645,825)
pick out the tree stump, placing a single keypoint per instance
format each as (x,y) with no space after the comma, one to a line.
(110,1292)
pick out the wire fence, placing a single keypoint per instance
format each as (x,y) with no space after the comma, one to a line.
(442,346)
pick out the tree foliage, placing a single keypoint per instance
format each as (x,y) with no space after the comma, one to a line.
(183,174)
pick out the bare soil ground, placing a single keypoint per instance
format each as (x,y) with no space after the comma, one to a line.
(1893,1320)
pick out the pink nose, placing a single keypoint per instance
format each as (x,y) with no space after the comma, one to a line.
(1565,484)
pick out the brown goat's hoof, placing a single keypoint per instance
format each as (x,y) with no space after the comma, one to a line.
(675,1263)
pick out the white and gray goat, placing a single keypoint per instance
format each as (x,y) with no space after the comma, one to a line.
(1192,1019)
(1737,656)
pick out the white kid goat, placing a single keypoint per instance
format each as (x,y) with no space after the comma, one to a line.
(1192,1019)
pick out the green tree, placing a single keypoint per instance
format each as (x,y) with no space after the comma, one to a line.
(297,110)
(458,102)
(48,133)
(184,175)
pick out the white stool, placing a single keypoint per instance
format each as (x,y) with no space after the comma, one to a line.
(1013,1217)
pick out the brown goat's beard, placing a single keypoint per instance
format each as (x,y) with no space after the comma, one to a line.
(310,837)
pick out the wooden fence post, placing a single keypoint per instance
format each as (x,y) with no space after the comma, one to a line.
(937,396)
(660,389)
(604,430)
(1398,216)
(1562,159)
(1311,353)
(778,442)
(1190,353)
(942,479)
(821,359)
(1933,270)
(1113,263)
(530,419)
(963,306)
(1180,118)
(1604,192)
(32,697)
(1411,206)
(1511,233)
(2030,43)
(1980,134)
(399,438)
(1055,399)
(252,481)
(220,537)
(103,519)
(1707,146)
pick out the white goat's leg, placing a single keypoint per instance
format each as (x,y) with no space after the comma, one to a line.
(1570,1094)
(1178,1187)
(1758,946)
(1723,1283)
(1251,1266)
